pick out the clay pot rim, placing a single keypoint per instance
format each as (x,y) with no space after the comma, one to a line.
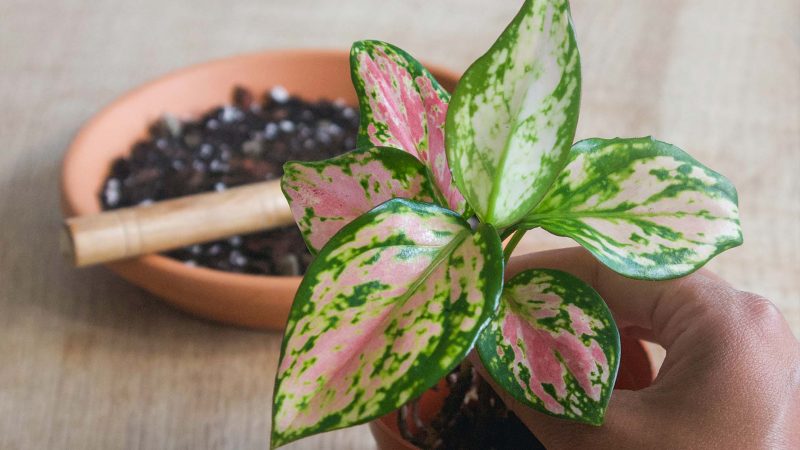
(70,206)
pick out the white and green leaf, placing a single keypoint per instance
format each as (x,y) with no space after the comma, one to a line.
(512,117)
(390,305)
(403,106)
(326,195)
(553,345)
(643,207)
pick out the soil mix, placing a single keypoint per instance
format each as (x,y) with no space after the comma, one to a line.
(243,142)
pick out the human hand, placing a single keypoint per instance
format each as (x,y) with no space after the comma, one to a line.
(731,377)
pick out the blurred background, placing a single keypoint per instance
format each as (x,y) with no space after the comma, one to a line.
(89,361)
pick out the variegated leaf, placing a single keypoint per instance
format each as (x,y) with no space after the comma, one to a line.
(403,106)
(645,208)
(553,345)
(326,195)
(512,117)
(392,303)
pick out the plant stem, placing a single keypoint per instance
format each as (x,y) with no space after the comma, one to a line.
(507,232)
(468,213)
(512,244)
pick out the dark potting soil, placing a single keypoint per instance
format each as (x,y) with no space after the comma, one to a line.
(472,417)
(246,141)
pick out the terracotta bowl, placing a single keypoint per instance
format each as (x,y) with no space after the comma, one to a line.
(246,300)
(635,372)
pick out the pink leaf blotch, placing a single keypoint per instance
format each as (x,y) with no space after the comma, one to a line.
(326,195)
(403,106)
(553,345)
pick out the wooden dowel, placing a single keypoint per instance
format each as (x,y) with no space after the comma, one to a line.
(170,224)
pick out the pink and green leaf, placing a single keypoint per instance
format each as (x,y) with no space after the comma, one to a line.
(553,345)
(513,115)
(403,106)
(644,208)
(326,195)
(392,303)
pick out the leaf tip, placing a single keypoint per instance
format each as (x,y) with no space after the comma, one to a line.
(357,46)
(594,420)
(277,441)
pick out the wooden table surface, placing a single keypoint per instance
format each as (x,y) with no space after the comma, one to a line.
(88,361)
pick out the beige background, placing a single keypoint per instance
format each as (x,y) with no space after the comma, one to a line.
(88,361)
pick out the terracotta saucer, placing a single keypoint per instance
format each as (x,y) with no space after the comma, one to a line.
(245,300)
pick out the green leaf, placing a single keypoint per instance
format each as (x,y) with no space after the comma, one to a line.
(553,345)
(326,195)
(390,305)
(403,106)
(512,117)
(644,208)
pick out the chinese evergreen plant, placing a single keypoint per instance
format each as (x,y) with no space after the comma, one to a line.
(408,230)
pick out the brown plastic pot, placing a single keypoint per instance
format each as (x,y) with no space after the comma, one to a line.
(635,372)
(246,300)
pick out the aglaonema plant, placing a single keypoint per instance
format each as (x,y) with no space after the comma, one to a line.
(407,231)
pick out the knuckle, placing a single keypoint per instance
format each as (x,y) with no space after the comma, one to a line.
(758,308)
(729,310)
(760,317)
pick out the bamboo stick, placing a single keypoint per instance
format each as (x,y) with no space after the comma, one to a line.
(170,224)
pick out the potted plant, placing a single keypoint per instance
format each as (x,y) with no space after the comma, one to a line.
(408,233)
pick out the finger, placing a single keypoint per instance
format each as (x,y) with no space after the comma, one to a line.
(659,309)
